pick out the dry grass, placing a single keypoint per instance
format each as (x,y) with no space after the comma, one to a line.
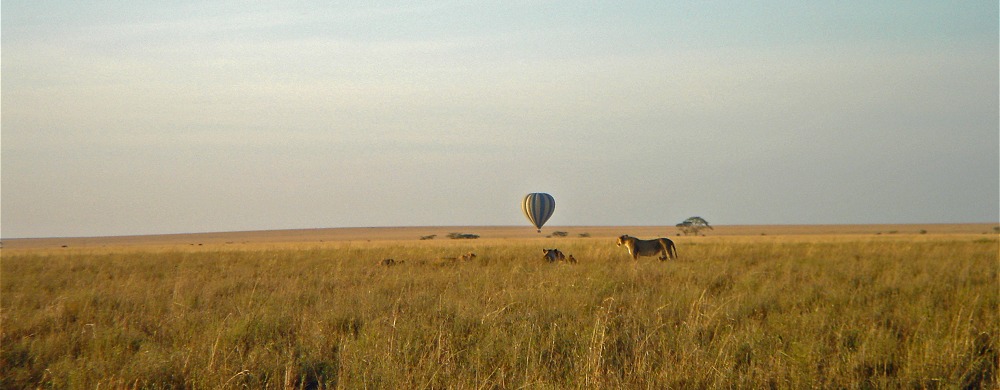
(842,311)
(322,236)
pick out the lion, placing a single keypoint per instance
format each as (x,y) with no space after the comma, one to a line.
(551,255)
(637,247)
(464,257)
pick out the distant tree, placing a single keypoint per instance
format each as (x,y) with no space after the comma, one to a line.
(462,236)
(693,225)
(559,234)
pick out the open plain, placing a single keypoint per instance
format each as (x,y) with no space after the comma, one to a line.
(317,236)
(844,306)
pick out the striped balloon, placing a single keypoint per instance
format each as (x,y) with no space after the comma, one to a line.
(538,207)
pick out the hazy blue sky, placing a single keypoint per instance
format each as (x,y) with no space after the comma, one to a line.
(139,117)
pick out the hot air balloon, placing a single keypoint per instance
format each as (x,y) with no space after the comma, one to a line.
(538,207)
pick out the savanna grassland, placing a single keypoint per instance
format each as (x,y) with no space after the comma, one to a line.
(820,311)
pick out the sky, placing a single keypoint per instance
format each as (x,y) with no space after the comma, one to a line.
(153,117)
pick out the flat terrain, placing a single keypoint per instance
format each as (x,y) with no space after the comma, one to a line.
(298,236)
(786,307)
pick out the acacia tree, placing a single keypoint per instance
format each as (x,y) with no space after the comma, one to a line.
(693,225)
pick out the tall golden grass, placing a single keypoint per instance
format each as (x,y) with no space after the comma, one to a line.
(916,311)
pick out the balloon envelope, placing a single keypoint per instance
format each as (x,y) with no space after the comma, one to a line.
(538,207)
